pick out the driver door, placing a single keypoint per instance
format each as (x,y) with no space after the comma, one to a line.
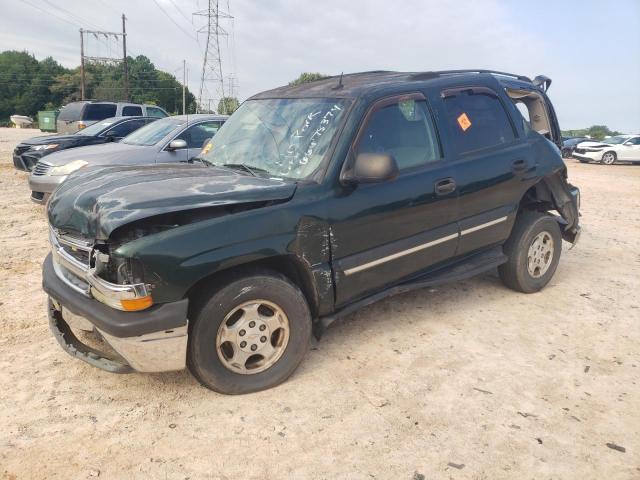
(386,232)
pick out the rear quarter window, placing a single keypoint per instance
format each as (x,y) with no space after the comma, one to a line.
(477,120)
(155,112)
(71,112)
(131,111)
(99,111)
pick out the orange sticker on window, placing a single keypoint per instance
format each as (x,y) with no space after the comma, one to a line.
(464,122)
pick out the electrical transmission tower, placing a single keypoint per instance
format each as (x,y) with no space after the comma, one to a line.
(212,61)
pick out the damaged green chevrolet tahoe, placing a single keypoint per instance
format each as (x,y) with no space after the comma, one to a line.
(311,201)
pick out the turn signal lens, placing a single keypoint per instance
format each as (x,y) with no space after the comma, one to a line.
(136,304)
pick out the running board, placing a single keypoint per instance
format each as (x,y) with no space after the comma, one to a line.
(467,267)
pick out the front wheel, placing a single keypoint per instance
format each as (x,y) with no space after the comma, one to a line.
(249,335)
(608,158)
(533,249)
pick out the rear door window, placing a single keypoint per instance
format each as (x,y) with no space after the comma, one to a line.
(72,112)
(131,111)
(477,119)
(99,111)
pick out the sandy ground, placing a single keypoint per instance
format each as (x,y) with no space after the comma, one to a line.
(466,381)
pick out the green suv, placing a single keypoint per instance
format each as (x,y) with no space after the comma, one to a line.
(311,201)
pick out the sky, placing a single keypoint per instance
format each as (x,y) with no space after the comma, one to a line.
(590,49)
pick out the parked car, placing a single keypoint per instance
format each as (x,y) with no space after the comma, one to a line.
(171,139)
(609,150)
(312,201)
(28,152)
(78,115)
(569,144)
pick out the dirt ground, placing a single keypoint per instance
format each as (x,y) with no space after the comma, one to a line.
(465,381)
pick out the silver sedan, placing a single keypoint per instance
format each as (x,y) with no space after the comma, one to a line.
(171,139)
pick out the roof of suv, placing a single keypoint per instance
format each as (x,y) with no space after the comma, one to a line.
(355,84)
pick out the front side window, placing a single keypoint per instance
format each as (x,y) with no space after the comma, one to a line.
(123,129)
(131,111)
(99,111)
(477,119)
(154,132)
(197,135)
(404,130)
(284,137)
(155,112)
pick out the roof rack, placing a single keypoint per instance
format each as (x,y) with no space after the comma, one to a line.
(428,75)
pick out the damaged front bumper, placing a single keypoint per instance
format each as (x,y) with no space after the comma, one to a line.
(153,340)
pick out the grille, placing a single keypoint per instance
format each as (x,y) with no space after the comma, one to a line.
(41,168)
(80,255)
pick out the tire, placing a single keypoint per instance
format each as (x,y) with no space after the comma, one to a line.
(609,158)
(583,161)
(529,228)
(265,299)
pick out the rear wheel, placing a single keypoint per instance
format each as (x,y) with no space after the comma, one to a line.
(608,158)
(533,249)
(249,335)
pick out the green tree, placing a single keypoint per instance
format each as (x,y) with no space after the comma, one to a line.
(306,77)
(228,105)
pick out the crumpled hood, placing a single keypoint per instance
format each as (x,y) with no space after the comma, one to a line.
(103,154)
(591,144)
(97,200)
(47,139)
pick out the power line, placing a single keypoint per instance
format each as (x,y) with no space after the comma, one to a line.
(173,21)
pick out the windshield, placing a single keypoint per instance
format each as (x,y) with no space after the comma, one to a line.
(615,140)
(153,133)
(282,137)
(95,129)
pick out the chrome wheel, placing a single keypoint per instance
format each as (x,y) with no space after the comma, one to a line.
(608,158)
(252,337)
(540,254)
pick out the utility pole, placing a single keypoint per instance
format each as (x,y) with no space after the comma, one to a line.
(212,62)
(184,87)
(124,59)
(81,65)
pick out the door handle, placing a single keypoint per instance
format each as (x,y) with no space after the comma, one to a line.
(519,166)
(445,186)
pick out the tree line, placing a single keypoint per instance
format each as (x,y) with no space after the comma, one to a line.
(28,85)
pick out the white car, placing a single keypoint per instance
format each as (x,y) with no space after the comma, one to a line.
(609,150)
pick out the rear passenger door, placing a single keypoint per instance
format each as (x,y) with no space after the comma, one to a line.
(491,164)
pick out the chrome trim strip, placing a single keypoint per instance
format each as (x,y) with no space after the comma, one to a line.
(393,256)
(483,225)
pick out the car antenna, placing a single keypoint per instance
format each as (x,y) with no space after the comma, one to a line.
(339,85)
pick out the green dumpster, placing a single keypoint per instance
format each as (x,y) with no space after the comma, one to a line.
(47,120)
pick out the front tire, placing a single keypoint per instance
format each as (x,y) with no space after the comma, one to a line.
(249,335)
(534,249)
(608,158)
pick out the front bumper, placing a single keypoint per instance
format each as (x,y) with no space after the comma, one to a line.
(42,186)
(152,340)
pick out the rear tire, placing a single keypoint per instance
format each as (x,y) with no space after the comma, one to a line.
(534,249)
(249,335)
(608,158)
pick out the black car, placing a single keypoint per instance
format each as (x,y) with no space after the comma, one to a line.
(27,153)
(569,145)
(311,201)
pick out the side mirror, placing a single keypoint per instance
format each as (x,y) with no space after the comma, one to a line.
(176,145)
(628,144)
(372,168)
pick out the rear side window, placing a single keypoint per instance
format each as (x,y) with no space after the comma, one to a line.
(477,119)
(155,112)
(99,111)
(72,112)
(404,130)
(131,111)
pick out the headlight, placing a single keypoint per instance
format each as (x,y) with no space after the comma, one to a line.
(68,168)
(46,147)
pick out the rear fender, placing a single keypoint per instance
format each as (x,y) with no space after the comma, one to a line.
(565,198)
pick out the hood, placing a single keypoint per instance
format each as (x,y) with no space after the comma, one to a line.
(47,139)
(95,201)
(105,154)
(592,143)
